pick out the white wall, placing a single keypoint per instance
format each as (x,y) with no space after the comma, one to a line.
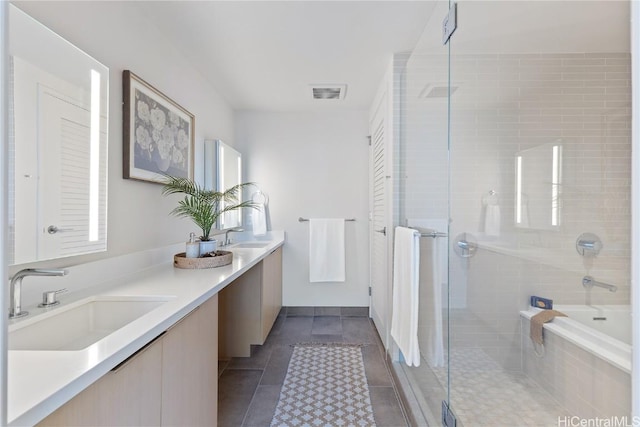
(4,145)
(635,263)
(312,165)
(117,35)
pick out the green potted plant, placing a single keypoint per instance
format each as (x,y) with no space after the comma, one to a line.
(204,207)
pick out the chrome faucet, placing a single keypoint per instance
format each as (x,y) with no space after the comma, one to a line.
(227,241)
(15,287)
(589,282)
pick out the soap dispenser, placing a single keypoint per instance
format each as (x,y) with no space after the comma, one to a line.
(193,247)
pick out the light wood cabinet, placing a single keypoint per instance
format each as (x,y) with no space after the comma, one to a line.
(173,381)
(127,396)
(249,306)
(271,290)
(190,369)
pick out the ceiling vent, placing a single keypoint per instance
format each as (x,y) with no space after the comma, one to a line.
(328,91)
(437,90)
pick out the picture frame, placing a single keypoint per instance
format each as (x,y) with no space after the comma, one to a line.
(158,134)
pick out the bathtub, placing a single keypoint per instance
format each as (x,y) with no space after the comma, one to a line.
(603,330)
(586,361)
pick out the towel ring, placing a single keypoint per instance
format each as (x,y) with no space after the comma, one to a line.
(259,197)
(491,198)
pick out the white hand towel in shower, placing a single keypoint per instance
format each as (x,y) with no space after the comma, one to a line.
(326,250)
(492,220)
(406,273)
(259,219)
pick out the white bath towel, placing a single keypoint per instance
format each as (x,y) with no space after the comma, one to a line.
(406,273)
(259,220)
(326,250)
(492,220)
(440,225)
(432,264)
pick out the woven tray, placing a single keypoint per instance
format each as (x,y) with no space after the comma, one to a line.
(222,258)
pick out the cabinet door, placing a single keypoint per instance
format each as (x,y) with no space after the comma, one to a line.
(241,314)
(190,369)
(271,290)
(127,396)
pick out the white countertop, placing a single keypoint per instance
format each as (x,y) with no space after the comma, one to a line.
(41,381)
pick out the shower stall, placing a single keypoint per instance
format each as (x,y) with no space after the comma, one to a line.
(514,159)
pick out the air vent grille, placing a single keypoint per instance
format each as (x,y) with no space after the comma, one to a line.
(328,91)
(437,90)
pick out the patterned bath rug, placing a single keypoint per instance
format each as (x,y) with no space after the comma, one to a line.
(325,386)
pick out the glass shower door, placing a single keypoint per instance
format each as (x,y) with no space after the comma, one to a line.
(539,189)
(421,177)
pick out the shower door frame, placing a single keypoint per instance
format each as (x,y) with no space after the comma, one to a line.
(635,205)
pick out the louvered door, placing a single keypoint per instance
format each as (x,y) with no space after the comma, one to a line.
(380,286)
(65,194)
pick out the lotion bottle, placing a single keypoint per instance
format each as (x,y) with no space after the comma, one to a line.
(193,247)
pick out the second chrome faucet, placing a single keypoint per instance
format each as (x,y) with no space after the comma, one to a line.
(15,288)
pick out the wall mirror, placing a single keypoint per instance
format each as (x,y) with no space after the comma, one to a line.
(538,187)
(223,169)
(58,121)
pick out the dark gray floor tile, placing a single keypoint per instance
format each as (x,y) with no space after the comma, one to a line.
(278,324)
(326,325)
(323,338)
(386,408)
(355,311)
(327,311)
(293,330)
(258,360)
(375,368)
(278,364)
(358,330)
(222,364)
(242,398)
(263,406)
(235,391)
(299,311)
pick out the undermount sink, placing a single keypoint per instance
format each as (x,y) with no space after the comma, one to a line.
(253,245)
(80,324)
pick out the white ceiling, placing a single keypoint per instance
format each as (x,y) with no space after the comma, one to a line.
(533,26)
(262,55)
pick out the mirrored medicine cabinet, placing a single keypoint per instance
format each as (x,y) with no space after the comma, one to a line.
(539,187)
(223,170)
(58,121)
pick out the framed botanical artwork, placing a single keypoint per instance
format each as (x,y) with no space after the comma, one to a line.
(158,134)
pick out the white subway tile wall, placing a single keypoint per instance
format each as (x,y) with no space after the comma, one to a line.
(502,104)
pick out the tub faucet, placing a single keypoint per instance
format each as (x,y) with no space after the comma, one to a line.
(227,241)
(589,282)
(15,287)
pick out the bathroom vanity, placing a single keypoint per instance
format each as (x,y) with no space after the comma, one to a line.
(247,311)
(170,381)
(160,368)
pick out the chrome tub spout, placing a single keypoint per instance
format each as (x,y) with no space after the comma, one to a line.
(589,282)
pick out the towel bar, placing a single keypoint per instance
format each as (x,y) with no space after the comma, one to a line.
(307,219)
(433,234)
(430,233)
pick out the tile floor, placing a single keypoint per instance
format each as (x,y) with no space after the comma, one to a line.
(249,388)
(483,394)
